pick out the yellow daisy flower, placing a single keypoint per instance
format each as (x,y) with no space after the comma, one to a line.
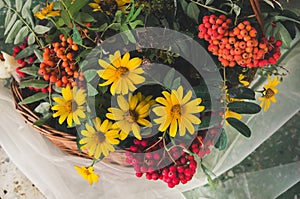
(231,114)
(70,106)
(177,111)
(99,140)
(269,93)
(122,73)
(131,114)
(47,12)
(87,173)
(122,3)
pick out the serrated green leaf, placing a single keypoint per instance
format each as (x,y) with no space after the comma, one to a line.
(176,83)
(43,108)
(241,93)
(168,80)
(283,35)
(14,31)
(244,107)
(284,18)
(19,4)
(11,22)
(33,70)
(239,126)
(26,12)
(136,23)
(221,142)
(39,55)
(76,6)
(184,5)
(34,98)
(21,35)
(76,35)
(34,83)
(7,18)
(66,18)
(208,2)
(39,29)
(31,39)
(91,90)
(43,120)
(26,52)
(193,11)
(90,74)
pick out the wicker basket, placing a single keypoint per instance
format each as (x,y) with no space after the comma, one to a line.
(62,140)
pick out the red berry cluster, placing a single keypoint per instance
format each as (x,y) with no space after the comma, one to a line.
(27,61)
(173,166)
(201,146)
(59,66)
(238,45)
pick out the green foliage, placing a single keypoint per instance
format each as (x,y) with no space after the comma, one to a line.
(34,98)
(34,83)
(244,107)
(239,126)
(241,93)
(221,142)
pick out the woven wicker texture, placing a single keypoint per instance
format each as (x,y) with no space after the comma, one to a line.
(62,140)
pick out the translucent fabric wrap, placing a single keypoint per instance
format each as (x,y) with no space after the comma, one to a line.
(52,170)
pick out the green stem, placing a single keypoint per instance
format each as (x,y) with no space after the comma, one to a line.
(210,8)
(24,22)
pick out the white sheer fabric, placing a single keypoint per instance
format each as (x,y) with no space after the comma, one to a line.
(53,173)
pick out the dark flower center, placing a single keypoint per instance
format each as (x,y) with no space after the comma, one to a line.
(176,111)
(269,93)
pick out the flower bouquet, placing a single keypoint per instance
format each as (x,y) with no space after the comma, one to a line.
(144,84)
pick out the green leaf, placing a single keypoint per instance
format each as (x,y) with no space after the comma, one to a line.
(76,35)
(168,80)
(66,18)
(7,18)
(39,54)
(241,93)
(102,89)
(26,12)
(10,21)
(136,14)
(244,107)
(283,35)
(39,29)
(76,6)
(193,11)
(34,83)
(130,14)
(184,5)
(176,83)
(19,4)
(84,17)
(208,2)
(14,31)
(128,34)
(91,90)
(221,142)
(90,74)
(43,108)
(1,4)
(26,52)
(21,35)
(136,23)
(284,18)
(33,70)
(31,38)
(34,98)
(43,120)
(239,126)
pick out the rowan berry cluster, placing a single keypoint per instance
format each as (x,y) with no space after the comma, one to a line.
(59,65)
(238,45)
(172,166)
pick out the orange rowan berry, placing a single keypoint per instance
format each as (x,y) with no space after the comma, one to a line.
(253,33)
(75,74)
(219,21)
(247,38)
(242,45)
(70,56)
(65,64)
(246,22)
(70,40)
(245,55)
(58,84)
(248,27)
(236,31)
(249,49)
(53,78)
(241,26)
(244,33)
(64,79)
(46,77)
(231,64)
(75,47)
(237,51)
(237,57)
(231,40)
